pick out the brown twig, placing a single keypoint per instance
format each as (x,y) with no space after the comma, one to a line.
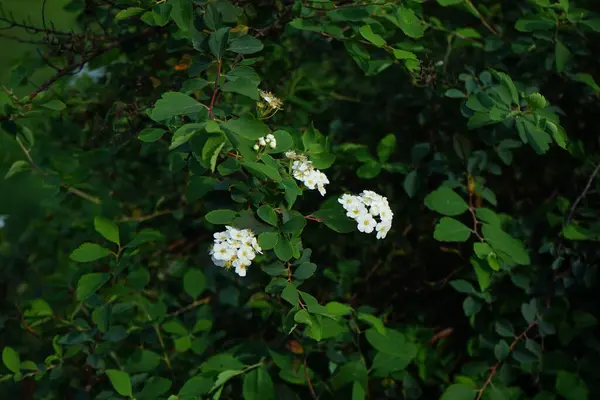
(470,5)
(146,217)
(308,382)
(582,195)
(475,220)
(215,90)
(189,307)
(79,64)
(40,171)
(496,366)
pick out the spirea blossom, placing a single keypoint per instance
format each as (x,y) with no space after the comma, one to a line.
(272,101)
(364,208)
(303,170)
(265,141)
(234,248)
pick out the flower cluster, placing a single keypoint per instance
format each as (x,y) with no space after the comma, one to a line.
(235,248)
(303,171)
(268,140)
(272,101)
(364,208)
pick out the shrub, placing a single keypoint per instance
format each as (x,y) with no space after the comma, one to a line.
(303,199)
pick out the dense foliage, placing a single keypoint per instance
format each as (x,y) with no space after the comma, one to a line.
(173,229)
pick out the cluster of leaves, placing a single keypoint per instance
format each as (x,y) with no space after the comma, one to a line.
(473,119)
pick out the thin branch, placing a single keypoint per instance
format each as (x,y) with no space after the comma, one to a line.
(496,366)
(215,90)
(189,307)
(24,41)
(78,65)
(582,195)
(40,171)
(471,6)
(146,217)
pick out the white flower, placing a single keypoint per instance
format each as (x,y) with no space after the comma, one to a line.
(364,208)
(220,236)
(348,201)
(382,229)
(290,154)
(223,251)
(366,223)
(303,171)
(273,143)
(255,147)
(255,246)
(357,211)
(234,248)
(246,253)
(262,142)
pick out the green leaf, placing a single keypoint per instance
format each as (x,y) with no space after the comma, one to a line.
(576,232)
(291,189)
(295,225)
(451,230)
(194,282)
(149,135)
(258,385)
(120,381)
(290,294)
(369,170)
(462,146)
(411,183)
(11,359)
(358,391)
(221,217)
(246,127)
(446,3)
(55,105)
(404,55)
(507,82)
(262,170)
(155,386)
(128,13)
(501,350)
(455,93)
(305,271)
(90,283)
(246,45)
(530,25)
(371,36)
(217,42)
(588,80)
(571,386)
(268,240)
(407,20)
(373,321)
(283,249)
(267,214)
(562,56)
(502,242)
(242,86)
(173,104)
(89,252)
(199,186)
(392,343)
(108,229)
(16,167)
(459,392)
(195,387)
(536,100)
(386,147)
(445,201)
